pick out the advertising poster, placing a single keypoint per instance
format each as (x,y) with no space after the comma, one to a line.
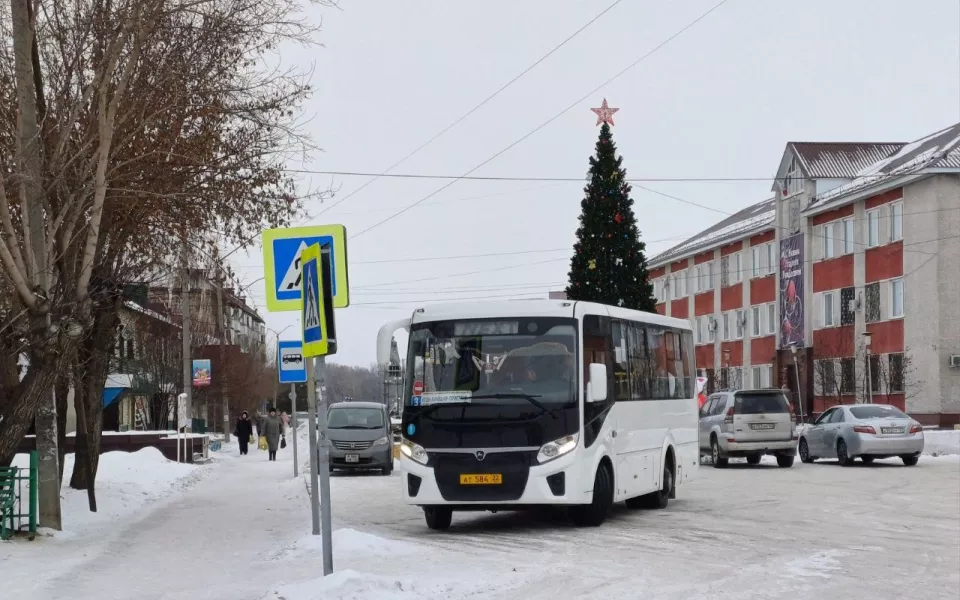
(201,373)
(791,291)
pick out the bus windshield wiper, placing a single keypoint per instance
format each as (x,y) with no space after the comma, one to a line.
(531,398)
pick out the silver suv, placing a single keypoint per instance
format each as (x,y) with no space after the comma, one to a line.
(748,424)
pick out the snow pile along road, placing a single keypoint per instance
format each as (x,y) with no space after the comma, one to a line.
(126,482)
(941,442)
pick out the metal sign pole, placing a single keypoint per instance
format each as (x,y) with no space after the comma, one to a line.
(293,410)
(312,436)
(324,462)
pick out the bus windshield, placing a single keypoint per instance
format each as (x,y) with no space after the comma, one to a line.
(525,361)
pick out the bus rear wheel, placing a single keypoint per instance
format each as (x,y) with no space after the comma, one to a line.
(595,513)
(438,518)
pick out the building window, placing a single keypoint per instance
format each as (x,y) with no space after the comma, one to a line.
(793,182)
(755,322)
(741,317)
(828,238)
(736,275)
(772,318)
(896,301)
(681,283)
(848,236)
(896,221)
(848,314)
(725,278)
(755,258)
(827,370)
(875,374)
(711,330)
(897,368)
(710,275)
(848,376)
(726,327)
(871,293)
(772,262)
(762,375)
(699,330)
(130,349)
(873,228)
(828,318)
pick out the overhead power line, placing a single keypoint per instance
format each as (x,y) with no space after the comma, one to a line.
(548,121)
(472,110)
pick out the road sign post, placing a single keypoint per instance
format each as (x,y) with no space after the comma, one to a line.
(293,416)
(319,340)
(292,369)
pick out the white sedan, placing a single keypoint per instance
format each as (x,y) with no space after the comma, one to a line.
(867,431)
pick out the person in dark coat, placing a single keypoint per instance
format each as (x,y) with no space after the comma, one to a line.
(272,428)
(243,431)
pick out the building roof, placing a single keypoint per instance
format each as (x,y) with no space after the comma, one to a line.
(939,150)
(752,219)
(840,160)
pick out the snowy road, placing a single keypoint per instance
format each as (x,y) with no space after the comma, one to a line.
(812,531)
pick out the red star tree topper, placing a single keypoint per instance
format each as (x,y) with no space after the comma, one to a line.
(604,113)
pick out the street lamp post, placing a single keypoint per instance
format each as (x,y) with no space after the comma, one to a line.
(866,344)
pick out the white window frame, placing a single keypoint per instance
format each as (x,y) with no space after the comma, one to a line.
(711,333)
(828,304)
(873,228)
(761,376)
(894,284)
(794,178)
(739,328)
(772,261)
(681,284)
(699,278)
(756,323)
(896,221)
(755,257)
(829,241)
(709,275)
(737,265)
(727,330)
(771,318)
(699,326)
(848,235)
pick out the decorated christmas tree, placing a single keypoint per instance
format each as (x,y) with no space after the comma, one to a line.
(608,264)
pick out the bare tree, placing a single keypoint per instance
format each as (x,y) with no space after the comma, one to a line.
(840,373)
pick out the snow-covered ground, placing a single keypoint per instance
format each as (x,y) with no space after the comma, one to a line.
(241,531)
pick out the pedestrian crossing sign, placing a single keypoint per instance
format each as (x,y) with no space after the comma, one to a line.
(316,315)
(283,261)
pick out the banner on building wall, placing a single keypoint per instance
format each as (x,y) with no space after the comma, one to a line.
(201,373)
(791,291)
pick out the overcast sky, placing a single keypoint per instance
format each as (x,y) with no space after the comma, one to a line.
(720,100)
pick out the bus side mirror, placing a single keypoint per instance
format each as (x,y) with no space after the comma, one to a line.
(597,391)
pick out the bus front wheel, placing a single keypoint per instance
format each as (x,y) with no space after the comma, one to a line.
(595,513)
(438,518)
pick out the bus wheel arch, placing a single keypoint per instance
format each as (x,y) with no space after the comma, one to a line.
(604,488)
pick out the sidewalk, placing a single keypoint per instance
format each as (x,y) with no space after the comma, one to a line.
(211,541)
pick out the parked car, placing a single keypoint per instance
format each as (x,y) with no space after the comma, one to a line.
(359,437)
(748,424)
(867,431)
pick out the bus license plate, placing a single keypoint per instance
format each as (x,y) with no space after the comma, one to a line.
(762,425)
(481,479)
(352,458)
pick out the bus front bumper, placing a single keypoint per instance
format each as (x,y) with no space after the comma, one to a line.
(439,483)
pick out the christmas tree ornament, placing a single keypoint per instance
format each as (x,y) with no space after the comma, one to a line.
(618,218)
(604,115)
(592,264)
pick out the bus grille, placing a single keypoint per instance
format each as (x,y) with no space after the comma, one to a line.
(514,466)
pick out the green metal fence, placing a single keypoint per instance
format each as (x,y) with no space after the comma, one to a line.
(18,498)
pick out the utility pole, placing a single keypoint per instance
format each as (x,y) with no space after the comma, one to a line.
(224,392)
(185,323)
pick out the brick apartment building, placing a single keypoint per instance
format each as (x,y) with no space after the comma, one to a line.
(853,267)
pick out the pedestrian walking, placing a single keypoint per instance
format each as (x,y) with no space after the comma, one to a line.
(271,427)
(243,431)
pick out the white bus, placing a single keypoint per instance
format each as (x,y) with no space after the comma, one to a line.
(544,402)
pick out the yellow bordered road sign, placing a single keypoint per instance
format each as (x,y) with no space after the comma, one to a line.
(313,314)
(283,259)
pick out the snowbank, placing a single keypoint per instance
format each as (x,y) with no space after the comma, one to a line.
(349,544)
(941,442)
(351,585)
(126,481)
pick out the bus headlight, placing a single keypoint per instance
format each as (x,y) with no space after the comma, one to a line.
(414,452)
(557,448)
(382,441)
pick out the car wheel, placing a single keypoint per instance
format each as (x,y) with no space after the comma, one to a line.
(910,460)
(866,459)
(438,517)
(842,456)
(386,470)
(805,452)
(784,461)
(719,462)
(753,460)
(595,513)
